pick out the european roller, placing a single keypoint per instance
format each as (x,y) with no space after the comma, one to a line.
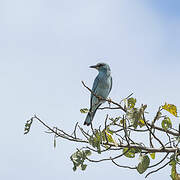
(101,87)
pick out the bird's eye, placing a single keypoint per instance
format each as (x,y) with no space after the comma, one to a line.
(100,65)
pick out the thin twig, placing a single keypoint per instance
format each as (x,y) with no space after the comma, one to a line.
(125,130)
(126,98)
(159,161)
(161,129)
(147,149)
(158,169)
(60,135)
(152,132)
(86,135)
(105,128)
(107,159)
(123,166)
(109,108)
(75,128)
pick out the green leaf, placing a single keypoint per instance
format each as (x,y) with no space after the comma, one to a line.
(96,140)
(137,116)
(78,159)
(85,110)
(131,102)
(134,115)
(129,153)
(152,155)
(83,167)
(74,168)
(143,165)
(110,131)
(166,123)
(109,137)
(174,174)
(106,134)
(98,145)
(28,126)
(87,152)
(170,108)
(54,142)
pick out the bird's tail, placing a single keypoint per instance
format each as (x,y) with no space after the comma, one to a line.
(88,119)
(90,115)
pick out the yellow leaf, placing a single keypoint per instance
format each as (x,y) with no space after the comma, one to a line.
(121,121)
(110,138)
(141,123)
(152,155)
(85,110)
(170,108)
(131,102)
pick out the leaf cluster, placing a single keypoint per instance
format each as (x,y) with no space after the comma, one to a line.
(28,126)
(78,159)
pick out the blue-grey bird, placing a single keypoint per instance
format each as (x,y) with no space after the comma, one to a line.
(101,87)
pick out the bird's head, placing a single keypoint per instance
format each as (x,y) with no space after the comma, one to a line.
(101,67)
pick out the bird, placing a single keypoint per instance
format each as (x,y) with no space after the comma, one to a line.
(101,88)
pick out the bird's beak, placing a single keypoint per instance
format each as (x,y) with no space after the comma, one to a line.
(94,66)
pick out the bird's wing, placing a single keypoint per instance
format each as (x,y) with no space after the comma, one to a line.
(111,85)
(95,84)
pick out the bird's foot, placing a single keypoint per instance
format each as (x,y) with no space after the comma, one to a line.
(109,101)
(100,98)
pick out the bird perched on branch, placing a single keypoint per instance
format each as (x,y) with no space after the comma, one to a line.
(101,88)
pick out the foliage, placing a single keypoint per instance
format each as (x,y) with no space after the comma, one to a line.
(28,126)
(130,152)
(170,108)
(152,155)
(85,110)
(144,164)
(166,123)
(78,159)
(121,136)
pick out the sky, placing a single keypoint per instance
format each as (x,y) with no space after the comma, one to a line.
(46,48)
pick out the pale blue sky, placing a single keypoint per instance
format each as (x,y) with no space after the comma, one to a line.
(46,48)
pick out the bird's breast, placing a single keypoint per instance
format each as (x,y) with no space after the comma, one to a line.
(105,82)
(104,87)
